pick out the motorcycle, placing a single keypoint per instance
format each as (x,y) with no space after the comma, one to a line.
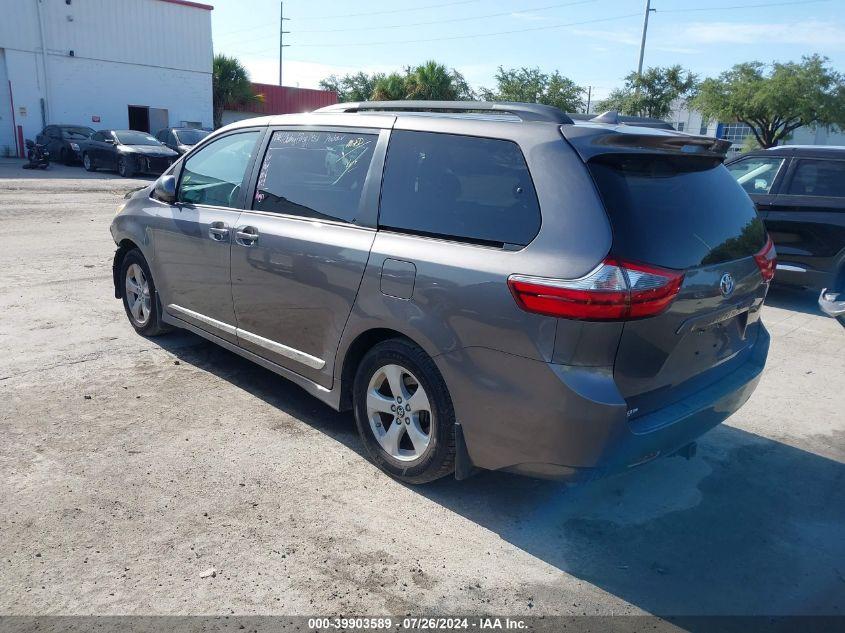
(37,155)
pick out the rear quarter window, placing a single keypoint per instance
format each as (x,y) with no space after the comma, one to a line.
(676,212)
(458,187)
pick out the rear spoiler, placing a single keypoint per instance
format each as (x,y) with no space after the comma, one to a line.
(591,140)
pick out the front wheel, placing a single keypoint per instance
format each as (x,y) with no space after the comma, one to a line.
(88,162)
(139,295)
(404,412)
(125,167)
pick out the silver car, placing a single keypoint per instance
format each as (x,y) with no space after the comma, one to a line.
(487,285)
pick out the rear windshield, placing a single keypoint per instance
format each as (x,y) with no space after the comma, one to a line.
(676,212)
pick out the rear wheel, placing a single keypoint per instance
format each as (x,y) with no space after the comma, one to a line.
(88,162)
(404,412)
(139,296)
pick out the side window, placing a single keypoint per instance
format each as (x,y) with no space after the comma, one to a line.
(818,178)
(315,174)
(756,174)
(474,189)
(214,175)
(98,136)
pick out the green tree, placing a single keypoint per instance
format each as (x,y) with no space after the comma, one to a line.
(230,85)
(775,100)
(427,81)
(652,93)
(355,87)
(392,87)
(530,85)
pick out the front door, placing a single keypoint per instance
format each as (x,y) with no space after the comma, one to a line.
(300,249)
(193,240)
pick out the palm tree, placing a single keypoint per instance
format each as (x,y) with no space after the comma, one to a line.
(431,81)
(230,85)
(390,88)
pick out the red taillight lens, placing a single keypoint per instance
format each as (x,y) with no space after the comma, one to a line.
(767,260)
(614,291)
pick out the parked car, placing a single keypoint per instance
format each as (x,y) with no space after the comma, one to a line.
(799,192)
(487,285)
(63,141)
(126,151)
(181,139)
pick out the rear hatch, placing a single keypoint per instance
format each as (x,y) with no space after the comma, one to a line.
(676,207)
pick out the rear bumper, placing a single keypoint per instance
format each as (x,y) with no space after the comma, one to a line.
(568,423)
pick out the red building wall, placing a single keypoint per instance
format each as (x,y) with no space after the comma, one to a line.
(286,100)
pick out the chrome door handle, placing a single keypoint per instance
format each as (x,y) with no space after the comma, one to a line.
(246,235)
(218,231)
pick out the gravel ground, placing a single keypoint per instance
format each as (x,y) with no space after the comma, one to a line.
(129,467)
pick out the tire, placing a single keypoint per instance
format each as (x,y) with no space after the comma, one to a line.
(422,443)
(144,315)
(125,167)
(88,162)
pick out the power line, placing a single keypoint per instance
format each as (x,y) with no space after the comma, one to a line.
(743,6)
(448,20)
(383,12)
(463,37)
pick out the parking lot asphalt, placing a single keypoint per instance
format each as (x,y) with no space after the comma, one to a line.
(131,466)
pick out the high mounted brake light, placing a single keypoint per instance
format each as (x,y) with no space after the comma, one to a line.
(767,260)
(615,291)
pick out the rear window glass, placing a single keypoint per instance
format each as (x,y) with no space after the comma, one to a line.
(459,187)
(819,178)
(676,212)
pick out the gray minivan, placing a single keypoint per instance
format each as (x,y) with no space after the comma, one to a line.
(487,285)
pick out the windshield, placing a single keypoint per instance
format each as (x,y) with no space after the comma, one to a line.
(129,137)
(77,132)
(190,137)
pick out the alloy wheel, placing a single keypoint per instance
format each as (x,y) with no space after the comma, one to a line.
(138,295)
(399,413)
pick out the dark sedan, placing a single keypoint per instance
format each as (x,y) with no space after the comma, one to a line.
(63,142)
(127,151)
(181,139)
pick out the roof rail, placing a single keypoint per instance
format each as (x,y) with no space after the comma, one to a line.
(524,111)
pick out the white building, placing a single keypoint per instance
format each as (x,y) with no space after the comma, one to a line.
(140,64)
(691,121)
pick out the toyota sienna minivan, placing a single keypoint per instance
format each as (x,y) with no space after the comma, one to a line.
(486,285)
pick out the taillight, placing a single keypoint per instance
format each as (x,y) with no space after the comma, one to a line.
(767,260)
(616,290)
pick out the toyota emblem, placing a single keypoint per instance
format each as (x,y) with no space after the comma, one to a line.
(726,285)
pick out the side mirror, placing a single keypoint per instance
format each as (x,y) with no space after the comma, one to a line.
(110,141)
(165,189)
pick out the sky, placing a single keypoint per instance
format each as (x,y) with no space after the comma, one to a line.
(594,42)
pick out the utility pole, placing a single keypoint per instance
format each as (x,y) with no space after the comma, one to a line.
(282,32)
(648,10)
(589,97)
